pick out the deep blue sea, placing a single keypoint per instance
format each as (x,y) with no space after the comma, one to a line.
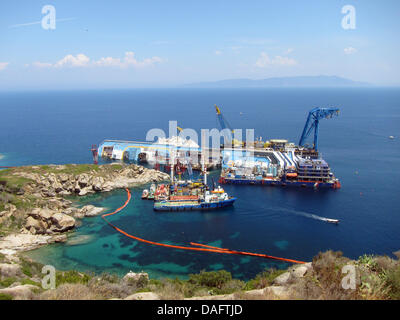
(60,127)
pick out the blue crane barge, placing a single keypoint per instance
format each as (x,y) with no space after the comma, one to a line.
(278,162)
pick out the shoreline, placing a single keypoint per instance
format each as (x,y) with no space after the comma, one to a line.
(35,197)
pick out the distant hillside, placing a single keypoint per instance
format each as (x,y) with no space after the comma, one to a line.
(304,81)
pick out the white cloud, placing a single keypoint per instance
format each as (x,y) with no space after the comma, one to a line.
(81,60)
(288,51)
(218,53)
(3,65)
(130,60)
(265,61)
(350,50)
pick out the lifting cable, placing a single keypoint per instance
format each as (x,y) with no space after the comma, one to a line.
(199,247)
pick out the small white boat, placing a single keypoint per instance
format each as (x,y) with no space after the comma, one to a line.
(335,221)
(145,194)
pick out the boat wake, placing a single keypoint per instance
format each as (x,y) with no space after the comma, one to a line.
(310,215)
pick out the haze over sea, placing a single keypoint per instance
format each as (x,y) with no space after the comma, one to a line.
(59,127)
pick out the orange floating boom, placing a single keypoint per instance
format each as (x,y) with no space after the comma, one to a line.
(205,248)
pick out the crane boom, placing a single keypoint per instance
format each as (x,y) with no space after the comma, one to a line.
(312,123)
(224,124)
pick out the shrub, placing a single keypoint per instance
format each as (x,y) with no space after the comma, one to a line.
(71,277)
(393,283)
(69,291)
(231,286)
(327,278)
(4,296)
(210,279)
(263,279)
(108,290)
(6,282)
(171,290)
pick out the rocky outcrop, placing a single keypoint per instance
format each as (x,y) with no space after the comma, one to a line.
(100,180)
(20,292)
(61,222)
(293,273)
(26,241)
(143,296)
(9,270)
(54,214)
(132,276)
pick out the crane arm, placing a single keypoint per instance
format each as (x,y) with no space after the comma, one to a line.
(312,123)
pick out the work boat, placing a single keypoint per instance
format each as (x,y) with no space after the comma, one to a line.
(208,200)
(189,195)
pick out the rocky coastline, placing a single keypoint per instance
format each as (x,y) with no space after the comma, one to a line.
(35,211)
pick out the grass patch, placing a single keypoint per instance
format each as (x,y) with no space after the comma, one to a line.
(6,282)
(71,277)
(31,282)
(264,279)
(4,296)
(393,283)
(210,279)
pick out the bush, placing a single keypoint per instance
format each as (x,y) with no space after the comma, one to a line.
(263,279)
(210,279)
(4,296)
(393,283)
(107,290)
(6,282)
(69,291)
(71,277)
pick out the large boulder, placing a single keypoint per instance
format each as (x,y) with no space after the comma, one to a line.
(143,296)
(63,178)
(62,222)
(90,211)
(132,276)
(8,270)
(83,180)
(283,279)
(20,292)
(41,213)
(98,184)
(37,225)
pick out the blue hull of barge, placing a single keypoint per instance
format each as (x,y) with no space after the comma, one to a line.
(196,207)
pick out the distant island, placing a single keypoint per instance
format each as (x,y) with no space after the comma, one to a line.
(303,81)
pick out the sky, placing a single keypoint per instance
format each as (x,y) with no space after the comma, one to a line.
(126,44)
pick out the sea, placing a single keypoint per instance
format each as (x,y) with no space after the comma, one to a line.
(58,127)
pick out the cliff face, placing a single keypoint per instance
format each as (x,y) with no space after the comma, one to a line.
(33,210)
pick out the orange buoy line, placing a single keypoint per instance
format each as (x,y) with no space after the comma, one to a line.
(203,247)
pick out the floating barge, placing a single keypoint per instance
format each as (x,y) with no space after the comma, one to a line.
(276,168)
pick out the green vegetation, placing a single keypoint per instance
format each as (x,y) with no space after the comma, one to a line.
(19,192)
(6,282)
(72,276)
(4,296)
(264,279)
(210,279)
(378,277)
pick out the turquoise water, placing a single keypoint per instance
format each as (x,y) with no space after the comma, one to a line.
(276,221)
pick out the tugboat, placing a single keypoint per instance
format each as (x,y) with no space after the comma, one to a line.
(188,196)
